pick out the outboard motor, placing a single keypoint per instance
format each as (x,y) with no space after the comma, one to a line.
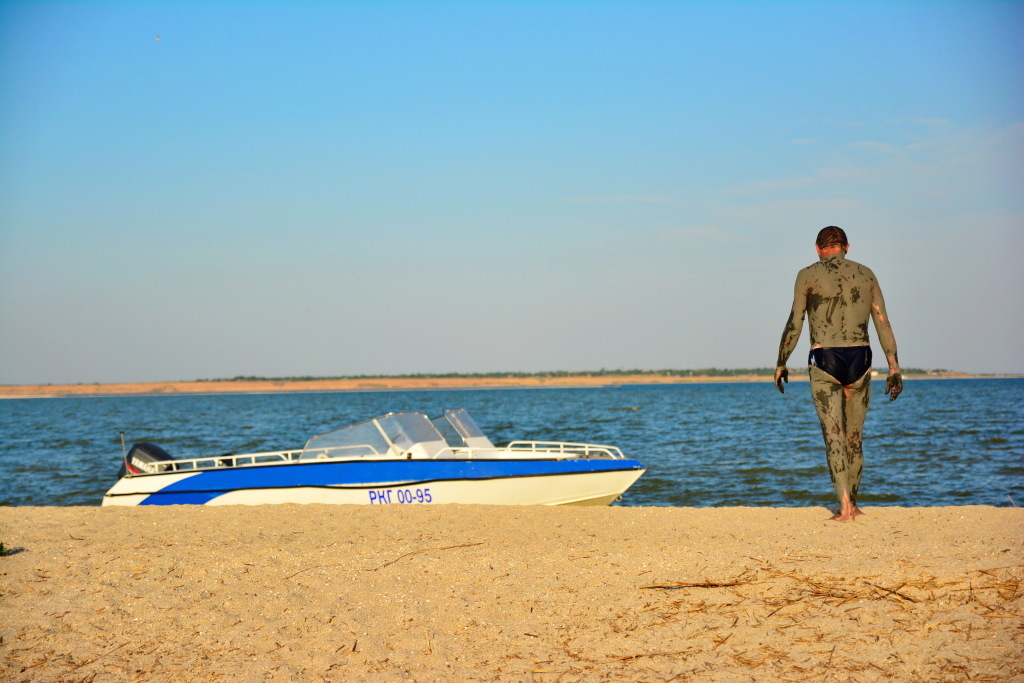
(145,458)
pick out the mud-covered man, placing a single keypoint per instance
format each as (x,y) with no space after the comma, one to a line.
(838,296)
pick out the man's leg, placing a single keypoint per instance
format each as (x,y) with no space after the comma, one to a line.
(829,401)
(857,396)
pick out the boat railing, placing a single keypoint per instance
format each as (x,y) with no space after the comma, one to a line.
(561,449)
(212,462)
(349,452)
(537,449)
(229,460)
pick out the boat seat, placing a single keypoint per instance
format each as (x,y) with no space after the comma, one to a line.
(427,450)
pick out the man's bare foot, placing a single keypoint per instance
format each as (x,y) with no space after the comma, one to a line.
(847,510)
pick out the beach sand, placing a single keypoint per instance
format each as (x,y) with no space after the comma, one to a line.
(275,386)
(271,386)
(481,593)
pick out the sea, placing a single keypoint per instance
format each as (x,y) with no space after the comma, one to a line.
(944,442)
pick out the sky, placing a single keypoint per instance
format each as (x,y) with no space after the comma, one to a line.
(193,190)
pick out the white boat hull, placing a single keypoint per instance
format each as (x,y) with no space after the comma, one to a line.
(396,459)
(578,483)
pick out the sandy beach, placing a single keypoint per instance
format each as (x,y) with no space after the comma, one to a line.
(384,384)
(353,384)
(480,593)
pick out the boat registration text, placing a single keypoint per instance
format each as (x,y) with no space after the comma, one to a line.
(389,496)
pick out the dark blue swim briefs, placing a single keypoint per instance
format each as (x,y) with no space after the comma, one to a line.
(846,363)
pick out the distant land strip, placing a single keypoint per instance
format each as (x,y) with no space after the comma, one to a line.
(491,380)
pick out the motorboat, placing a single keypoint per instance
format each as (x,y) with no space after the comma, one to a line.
(397,458)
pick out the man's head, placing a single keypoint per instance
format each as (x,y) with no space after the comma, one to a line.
(831,240)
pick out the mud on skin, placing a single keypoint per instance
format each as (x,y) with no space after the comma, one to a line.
(838,297)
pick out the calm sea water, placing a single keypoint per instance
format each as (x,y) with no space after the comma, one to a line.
(944,442)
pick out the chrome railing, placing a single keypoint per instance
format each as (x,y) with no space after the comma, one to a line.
(538,449)
(213,462)
(587,450)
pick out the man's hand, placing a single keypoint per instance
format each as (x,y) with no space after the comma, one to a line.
(782,375)
(893,385)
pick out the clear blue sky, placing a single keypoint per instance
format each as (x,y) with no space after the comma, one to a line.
(199,190)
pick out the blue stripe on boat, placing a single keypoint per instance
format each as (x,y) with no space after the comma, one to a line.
(207,485)
(182,498)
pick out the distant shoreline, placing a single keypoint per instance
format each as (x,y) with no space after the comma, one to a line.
(424,383)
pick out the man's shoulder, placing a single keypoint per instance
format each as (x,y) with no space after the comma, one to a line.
(811,268)
(844,264)
(861,268)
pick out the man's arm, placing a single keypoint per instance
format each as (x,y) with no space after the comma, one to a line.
(791,333)
(894,382)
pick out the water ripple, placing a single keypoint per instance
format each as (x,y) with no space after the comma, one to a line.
(944,442)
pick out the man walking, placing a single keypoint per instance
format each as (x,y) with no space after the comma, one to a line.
(838,296)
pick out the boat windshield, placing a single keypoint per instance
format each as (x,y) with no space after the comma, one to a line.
(391,435)
(459,430)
